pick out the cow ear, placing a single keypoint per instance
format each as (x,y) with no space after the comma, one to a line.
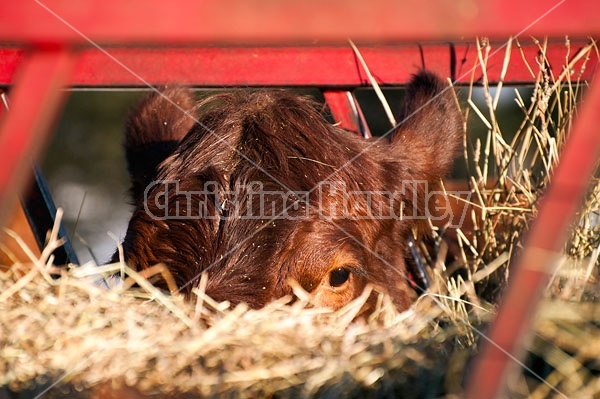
(153,131)
(430,134)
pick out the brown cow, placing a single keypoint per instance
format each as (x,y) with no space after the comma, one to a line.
(256,188)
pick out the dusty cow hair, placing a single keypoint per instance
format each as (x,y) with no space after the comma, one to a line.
(282,142)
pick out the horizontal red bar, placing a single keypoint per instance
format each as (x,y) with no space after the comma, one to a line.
(285,21)
(333,66)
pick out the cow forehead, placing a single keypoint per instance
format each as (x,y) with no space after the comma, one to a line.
(275,250)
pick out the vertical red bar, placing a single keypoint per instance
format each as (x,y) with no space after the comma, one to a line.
(35,99)
(346,111)
(544,246)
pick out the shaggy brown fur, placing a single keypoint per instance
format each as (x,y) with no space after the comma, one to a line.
(309,229)
(154,130)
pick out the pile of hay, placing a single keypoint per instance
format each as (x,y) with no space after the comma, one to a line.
(74,335)
(78,335)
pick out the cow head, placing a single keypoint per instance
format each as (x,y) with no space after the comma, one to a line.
(256,188)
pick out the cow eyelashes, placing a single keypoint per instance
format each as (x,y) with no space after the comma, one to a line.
(339,277)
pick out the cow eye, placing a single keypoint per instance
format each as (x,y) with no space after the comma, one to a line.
(339,277)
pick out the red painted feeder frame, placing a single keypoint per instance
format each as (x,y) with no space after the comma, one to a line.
(51,44)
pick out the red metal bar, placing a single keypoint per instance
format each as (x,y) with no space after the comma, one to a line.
(544,247)
(252,21)
(329,66)
(346,111)
(35,100)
